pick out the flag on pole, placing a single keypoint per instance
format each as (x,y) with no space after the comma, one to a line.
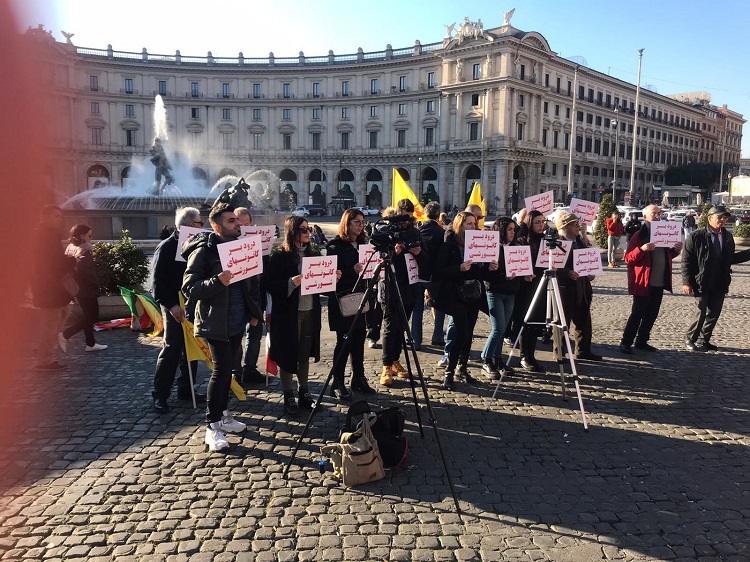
(401,190)
(476,199)
(149,313)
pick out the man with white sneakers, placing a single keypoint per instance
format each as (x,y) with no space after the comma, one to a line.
(222,309)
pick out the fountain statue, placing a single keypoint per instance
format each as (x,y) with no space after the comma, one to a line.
(162,167)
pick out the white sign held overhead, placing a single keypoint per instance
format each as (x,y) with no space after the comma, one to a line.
(584,210)
(266,234)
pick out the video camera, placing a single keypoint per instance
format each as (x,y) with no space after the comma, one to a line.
(552,239)
(389,231)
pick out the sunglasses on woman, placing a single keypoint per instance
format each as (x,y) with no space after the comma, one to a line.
(305,230)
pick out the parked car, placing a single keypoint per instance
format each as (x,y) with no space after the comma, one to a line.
(310,211)
(368,212)
(741,216)
(675,216)
(301,212)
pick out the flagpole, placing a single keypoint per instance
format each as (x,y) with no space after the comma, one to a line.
(635,127)
(573,121)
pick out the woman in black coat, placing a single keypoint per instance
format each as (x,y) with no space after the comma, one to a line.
(295,319)
(460,295)
(346,247)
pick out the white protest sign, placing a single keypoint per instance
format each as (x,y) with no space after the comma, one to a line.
(412,268)
(665,234)
(266,234)
(587,261)
(517,261)
(185,233)
(365,251)
(584,210)
(559,256)
(481,246)
(318,274)
(544,202)
(242,257)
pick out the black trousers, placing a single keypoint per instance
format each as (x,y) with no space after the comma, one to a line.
(709,307)
(354,348)
(464,320)
(223,354)
(90,307)
(171,356)
(393,330)
(642,317)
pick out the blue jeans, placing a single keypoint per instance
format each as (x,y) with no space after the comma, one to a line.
(450,335)
(417,316)
(501,308)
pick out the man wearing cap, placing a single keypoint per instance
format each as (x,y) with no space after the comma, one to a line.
(649,273)
(706,274)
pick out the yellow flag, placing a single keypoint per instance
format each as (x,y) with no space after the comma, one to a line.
(401,190)
(476,199)
(154,314)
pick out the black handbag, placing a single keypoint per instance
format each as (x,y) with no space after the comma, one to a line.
(470,291)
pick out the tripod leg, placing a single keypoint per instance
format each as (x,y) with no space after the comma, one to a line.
(405,342)
(510,356)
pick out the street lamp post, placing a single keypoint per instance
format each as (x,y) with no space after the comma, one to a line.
(419,176)
(614,170)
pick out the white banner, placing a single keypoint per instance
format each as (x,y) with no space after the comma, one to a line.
(481,246)
(517,261)
(665,234)
(318,274)
(544,202)
(365,251)
(242,257)
(587,261)
(412,268)
(266,234)
(584,210)
(185,233)
(559,256)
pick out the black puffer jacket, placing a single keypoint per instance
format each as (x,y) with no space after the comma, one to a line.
(210,296)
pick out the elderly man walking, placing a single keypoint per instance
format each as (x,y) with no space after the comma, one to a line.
(706,274)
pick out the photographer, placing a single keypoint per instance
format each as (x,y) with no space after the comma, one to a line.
(407,240)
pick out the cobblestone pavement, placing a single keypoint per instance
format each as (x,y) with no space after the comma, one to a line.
(663,472)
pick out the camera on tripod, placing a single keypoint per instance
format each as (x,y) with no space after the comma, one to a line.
(552,239)
(390,231)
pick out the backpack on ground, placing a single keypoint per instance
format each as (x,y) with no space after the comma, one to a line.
(356,458)
(387,425)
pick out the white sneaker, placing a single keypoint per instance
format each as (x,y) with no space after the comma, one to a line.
(215,437)
(62,343)
(443,361)
(95,347)
(231,425)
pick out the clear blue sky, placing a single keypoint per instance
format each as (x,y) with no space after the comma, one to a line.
(689,45)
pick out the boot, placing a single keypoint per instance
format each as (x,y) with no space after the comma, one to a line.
(464,373)
(290,404)
(359,383)
(528,361)
(448,383)
(339,390)
(399,371)
(305,402)
(386,379)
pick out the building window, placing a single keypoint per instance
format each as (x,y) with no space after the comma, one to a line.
(226,140)
(345,88)
(430,106)
(345,113)
(476,72)
(474,99)
(401,138)
(519,131)
(558,85)
(257,141)
(579,116)
(345,141)
(555,139)
(544,137)
(589,119)
(429,136)
(316,89)
(316,141)
(316,114)
(473,131)
(194,89)
(598,120)
(286,90)
(523,72)
(557,111)
(286,139)
(567,141)
(256,114)
(129,110)
(96,136)
(554,169)
(373,111)
(225,90)
(256,91)
(430,79)
(373,139)
(130,138)
(286,114)
(94,83)
(544,168)
(546,80)
(520,100)
(95,107)
(226,113)
(374,86)
(567,113)
(546,108)
(162,87)
(195,113)
(402,83)
(128,85)
(402,109)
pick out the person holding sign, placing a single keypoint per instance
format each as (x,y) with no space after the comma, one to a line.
(295,318)
(501,291)
(222,309)
(649,273)
(575,290)
(346,246)
(459,296)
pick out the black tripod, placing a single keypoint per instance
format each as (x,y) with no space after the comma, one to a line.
(386,265)
(555,319)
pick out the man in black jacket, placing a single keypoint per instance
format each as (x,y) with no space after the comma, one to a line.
(433,236)
(167,275)
(706,273)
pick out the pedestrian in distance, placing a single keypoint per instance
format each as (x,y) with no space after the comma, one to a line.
(614,232)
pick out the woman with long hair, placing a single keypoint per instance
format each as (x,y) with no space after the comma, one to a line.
(459,295)
(81,249)
(295,318)
(346,246)
(501,295)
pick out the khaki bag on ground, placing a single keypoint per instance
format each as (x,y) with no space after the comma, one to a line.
(356,458)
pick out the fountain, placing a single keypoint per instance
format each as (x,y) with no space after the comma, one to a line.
(160,183)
